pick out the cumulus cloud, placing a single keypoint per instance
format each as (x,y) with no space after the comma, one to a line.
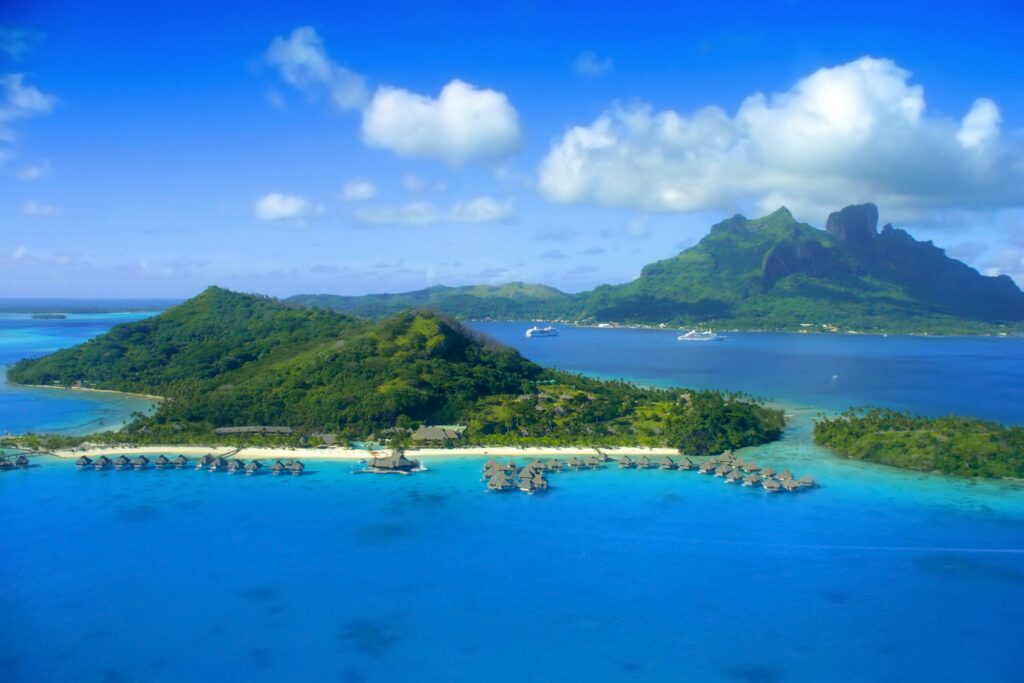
(588,64)
(39,210)
(304,64)
(850,133)
(463,123)
(478,210)
(276,206)
(358,191)
(20,101)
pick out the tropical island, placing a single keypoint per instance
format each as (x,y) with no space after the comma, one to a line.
(240,369)
(768,274)
(952,445)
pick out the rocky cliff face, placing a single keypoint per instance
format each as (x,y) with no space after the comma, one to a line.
(856,225)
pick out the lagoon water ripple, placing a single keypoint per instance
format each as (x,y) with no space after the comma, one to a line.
(614,575)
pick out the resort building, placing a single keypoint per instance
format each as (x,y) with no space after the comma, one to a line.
(439,435)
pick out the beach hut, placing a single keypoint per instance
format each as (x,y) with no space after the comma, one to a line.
(236,466)
(122,463)
(140,462)
(752,480)
(806,481)
(644,463)
(783,475)
(101,463)
(296,468)
(21,462)
(499,482)
(790,485)
(593,462)
(768,472)
(83,462)
(180,462)
(253,467)
(626,462)
(217,464)
(667,463)
(396,462)
(161,462)
(771,486)
(277,467)
(684,464)
(733,477)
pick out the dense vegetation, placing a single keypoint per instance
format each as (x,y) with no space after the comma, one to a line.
(954,445)
(224,359)
(771,273)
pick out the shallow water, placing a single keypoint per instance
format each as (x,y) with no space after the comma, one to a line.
(877,575)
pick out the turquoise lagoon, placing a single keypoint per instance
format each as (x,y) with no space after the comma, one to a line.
(878,575)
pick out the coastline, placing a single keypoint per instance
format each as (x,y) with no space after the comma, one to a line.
(150,397)
(355,454)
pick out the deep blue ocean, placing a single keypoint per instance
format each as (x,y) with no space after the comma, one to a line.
(877,575)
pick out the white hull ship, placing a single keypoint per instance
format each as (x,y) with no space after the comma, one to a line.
(700,336)
(542,332)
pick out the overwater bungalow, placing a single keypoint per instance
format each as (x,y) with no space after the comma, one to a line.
(575,463)
(161,462)
(771,486)
(396,462)
(733,477)
(253,467)
(667,463)
(277,467)
(491,462)
(783,475)
(626,462)
(554,465)
(499,482)
(140,462)
(5,464)
(180,462)
(296,468)
(217,464)
(235,466)
(593,462)
(685,464)
(204,461)
(768,472)
(723,470)
(752,480)
(806,481)
(707,467)
(122,463)
(644,463)
(83,462)
(101,463)
(21,462)
(790,485)
(751,467)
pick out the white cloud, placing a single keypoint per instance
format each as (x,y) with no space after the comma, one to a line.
(588,64)
(39,210)
(851,133)
(358,191)
(276,206)
(416,185)
(478,210)
(33,171)
(20,101)
(464,123)
(304,64)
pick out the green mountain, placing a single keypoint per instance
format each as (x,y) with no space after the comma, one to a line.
(772,273)
(224,359)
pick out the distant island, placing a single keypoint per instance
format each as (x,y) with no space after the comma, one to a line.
(772,273)
(951,445)
(245,369)
(49,316)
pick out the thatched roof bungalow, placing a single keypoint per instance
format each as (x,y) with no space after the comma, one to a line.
(297,468)
(253,467)
(161,462)
(81,463)
(626,462)
(101,463)
(277,467)
(667,463)
(644,463)
(140,462)
(180,462)
(752,480)
(733,477)
(783,475)
(122,462)
(806,481)
(771,486)
(396,462)
(235,466)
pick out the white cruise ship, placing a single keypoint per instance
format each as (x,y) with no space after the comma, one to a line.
(700,335)
(547,331)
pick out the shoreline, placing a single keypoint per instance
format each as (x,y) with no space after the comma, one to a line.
(150,397)
(355,454)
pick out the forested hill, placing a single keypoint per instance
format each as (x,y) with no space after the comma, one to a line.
(224,359)
(772,273)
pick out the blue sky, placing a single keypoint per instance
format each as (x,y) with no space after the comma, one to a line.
(392,146)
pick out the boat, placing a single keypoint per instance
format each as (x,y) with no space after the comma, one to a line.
(546,331)
(700,335)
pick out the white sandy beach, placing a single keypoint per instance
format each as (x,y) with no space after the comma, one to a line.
(338,453)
